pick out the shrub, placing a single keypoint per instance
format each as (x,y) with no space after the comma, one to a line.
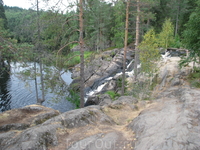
(112,94)
(194,77)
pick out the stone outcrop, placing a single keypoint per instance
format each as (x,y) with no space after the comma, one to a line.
(92,126)
(20,119)
(173,122)
(100,67)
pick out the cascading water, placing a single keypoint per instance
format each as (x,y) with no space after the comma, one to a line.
(129,72)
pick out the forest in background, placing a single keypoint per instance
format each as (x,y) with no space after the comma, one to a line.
(48,36)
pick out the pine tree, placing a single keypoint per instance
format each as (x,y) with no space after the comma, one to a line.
(97,18)
(82,82)
(2,15)
(149,52)
(118,24)
(192,33)
(125,46)
(166,36)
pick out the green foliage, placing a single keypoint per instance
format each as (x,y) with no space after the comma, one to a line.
(149,53)
(119,83)
(194,77)
(113,95)
(73,58)
(22,23)
(177,42)
(166,36)
(74,98)
(119,24)
(192,32)
(3,16)
(97,20)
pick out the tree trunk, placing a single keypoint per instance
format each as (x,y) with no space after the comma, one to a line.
(137,37)
(42,81)
(125,47)
(82,84)
(177,18)
(36,89)
(40,101)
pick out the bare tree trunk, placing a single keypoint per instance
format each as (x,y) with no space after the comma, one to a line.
(177,18)
(36,89)
(125,46)
(42,81)
(82,84)
(40,101)
(137,37)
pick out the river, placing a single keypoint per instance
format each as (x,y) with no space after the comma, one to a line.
(16,92)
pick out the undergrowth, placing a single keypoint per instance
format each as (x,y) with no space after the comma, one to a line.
(113,95)
(194,77)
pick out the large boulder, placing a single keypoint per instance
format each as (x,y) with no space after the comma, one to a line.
(48,131)
(81,117)
(22,118)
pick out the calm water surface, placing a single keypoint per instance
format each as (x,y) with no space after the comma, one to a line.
(16,92)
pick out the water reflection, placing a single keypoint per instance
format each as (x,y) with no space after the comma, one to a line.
(5,97)
(17,91)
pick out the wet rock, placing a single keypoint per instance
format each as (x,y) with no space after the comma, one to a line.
(101,67)
(103,99)
(110,86)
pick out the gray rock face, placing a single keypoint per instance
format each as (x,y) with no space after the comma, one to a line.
(100,100)
(97,142)
(171,124)
(20,119)
(108,64)
(39,137)
(125,100)
(45,135)
(82,117)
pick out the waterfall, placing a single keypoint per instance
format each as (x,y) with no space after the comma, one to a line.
(129,72)
(106,80)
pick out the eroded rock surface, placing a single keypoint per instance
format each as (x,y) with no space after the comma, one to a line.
(173,123)
(107,64)
(22,118)
(170,122)
(87,128)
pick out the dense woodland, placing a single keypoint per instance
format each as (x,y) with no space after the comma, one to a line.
(46,36)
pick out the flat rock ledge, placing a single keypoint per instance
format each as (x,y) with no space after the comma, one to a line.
(170,122)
